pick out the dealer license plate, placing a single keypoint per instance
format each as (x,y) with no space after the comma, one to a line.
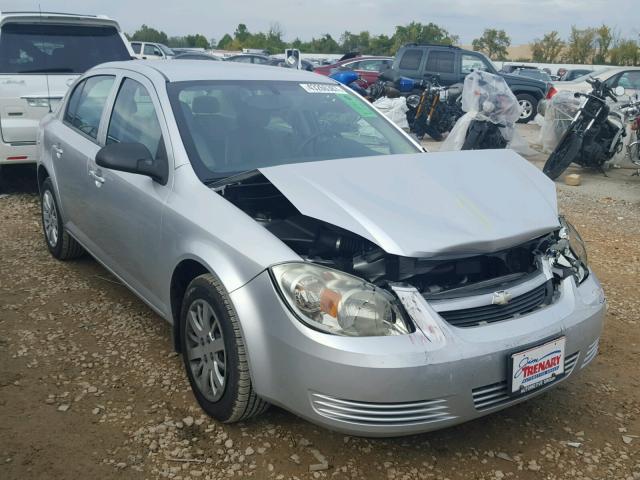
(537,366)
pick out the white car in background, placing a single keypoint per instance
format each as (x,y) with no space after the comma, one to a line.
(627,77)
(41,55)
(151,51)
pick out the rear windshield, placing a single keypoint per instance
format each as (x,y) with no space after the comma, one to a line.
(45,48)
(230,127)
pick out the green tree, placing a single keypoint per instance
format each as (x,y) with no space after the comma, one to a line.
(351,42)
(225,42)
(197,41)
(626,52)
(547,49)
(494,43)
(581,45)
(604,37)
(242,33)
(148,34)
(381,45)
(419,33)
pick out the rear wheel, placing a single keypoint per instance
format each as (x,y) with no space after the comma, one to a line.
(529,107)
(214,353)
(563,155)
(61,245)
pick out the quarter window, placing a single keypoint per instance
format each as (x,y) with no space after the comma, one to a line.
(134,119)
(87,104)
(440,61)
(136,47)
(411,59)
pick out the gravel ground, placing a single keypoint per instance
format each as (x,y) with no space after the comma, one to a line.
(90,386)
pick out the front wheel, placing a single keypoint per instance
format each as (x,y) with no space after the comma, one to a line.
(563,155)
(214,353)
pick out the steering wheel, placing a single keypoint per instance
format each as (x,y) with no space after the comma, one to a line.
(314,137)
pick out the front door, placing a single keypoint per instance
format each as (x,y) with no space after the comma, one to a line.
(127,208)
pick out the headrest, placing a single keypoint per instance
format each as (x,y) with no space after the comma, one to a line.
(205,105)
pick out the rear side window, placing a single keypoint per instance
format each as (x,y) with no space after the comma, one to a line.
(134,119)
(411,59)
(440,61)
(45,48)
(84,113)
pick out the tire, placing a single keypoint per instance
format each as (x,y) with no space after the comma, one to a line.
(60,244)
(214,353)
(563,155)
(529,107)
(474,137)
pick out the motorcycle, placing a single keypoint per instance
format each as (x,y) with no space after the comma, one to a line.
(492,111)
(435,110)
(594,135)
(633,148)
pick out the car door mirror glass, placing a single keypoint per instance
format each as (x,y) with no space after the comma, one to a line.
(131,158)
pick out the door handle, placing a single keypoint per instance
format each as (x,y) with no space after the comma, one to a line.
(58,150)
(96,177)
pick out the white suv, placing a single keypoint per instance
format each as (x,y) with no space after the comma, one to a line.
(151,51)
(41,55)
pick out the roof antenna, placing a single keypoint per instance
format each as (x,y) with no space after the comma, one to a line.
(46,75)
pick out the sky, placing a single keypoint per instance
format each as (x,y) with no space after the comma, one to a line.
(523,20)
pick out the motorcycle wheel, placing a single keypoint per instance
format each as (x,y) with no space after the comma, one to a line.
(562,156)
(474,137)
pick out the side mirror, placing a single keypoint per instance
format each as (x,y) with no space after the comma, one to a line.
(132,158)
(619,91)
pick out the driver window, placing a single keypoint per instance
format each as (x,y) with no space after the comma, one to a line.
(151,50)
(134,119)
(630,80)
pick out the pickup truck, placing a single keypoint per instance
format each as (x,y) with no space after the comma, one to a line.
(451,64)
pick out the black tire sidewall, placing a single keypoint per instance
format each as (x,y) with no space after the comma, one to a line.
(200,288)
(534,103)
(570,142)
(56,250)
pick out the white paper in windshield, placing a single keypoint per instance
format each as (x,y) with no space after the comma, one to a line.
(321,88)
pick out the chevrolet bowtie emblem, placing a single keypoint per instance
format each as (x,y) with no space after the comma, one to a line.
(501,298)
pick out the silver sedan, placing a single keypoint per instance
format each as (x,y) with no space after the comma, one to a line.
(310,254)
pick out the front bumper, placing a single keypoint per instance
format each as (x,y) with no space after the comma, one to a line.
(389,386)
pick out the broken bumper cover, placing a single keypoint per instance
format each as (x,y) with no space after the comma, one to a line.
(399,385)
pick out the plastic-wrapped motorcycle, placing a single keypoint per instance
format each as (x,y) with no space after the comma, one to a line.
(492,111)
(595,134)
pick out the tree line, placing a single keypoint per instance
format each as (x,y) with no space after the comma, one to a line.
(594,45)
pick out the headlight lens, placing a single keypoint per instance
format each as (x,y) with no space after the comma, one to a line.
(573,252)
(337,303)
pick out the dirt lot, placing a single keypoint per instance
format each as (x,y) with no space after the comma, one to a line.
(90,387)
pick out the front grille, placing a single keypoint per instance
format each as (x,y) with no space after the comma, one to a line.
(497,394)
(381,414)
(520,305)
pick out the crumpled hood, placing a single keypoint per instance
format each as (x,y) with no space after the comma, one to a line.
(421,205)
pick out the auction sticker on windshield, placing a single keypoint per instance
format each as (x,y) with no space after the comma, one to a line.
(537,366)
(322,88)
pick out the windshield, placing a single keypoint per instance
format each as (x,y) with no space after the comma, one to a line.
(537,74)
(595,73)
(230,127)
(167,51)
(46,48)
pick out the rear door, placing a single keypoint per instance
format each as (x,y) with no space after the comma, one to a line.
(38,63)
(441,63)
(74,141)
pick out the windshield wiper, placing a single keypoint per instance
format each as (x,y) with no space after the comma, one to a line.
(218,182)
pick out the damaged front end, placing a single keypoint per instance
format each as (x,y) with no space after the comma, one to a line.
(348,285)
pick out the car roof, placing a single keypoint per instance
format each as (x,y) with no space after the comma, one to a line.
(193,70)
(56,17)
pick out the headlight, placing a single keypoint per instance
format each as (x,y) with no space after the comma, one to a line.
(337,303)
(571,252)
(413,101)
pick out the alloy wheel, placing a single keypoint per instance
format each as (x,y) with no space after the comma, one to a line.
(50,218)
(205,350)
(527,108)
